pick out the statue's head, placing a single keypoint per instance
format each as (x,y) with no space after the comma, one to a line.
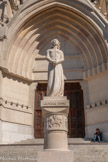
(54,43)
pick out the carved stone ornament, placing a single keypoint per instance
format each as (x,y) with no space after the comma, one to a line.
(56,121)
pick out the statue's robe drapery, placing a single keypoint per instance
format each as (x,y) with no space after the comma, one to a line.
(55,73)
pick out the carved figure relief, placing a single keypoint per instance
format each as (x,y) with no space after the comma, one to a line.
(8,8)
(16,3)
(54,121)
(5,11)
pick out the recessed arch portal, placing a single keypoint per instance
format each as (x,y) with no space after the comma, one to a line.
(34,36)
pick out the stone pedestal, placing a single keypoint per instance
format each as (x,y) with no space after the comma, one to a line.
(55,156)
(55,111)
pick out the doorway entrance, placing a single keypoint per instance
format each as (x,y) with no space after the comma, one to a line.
(76,119)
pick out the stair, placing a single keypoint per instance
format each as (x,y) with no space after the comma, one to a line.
(84,151)
(90,152)
(41,141)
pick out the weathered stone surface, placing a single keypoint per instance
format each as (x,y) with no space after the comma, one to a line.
(58,156)
(55,111)
(55,57)
(25,35)
(33,152)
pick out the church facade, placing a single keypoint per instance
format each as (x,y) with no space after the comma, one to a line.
(26,30)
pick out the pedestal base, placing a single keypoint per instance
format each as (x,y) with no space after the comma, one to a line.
(55,112)
(56,140)
(55,156)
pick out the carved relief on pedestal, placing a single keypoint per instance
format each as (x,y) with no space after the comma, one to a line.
(55,121)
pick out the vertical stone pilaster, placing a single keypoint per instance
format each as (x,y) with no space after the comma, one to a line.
(1,81)
(1,84)
(32,90)
(84,85)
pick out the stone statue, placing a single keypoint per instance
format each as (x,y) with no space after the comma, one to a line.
(16,3)
(55,71)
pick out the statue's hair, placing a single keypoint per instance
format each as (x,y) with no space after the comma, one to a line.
(55,42)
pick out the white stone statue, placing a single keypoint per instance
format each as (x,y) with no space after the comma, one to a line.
(55,71)
(16,2)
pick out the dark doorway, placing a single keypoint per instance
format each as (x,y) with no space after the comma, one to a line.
(76,120)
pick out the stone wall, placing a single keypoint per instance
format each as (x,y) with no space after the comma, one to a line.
(98,88)
(97,109)
(12,132)
(15,90)
(16,113)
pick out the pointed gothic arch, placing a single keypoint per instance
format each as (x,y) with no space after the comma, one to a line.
(37,23)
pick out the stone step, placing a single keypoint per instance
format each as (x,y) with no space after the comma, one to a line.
(77,140)
(32,141)
(41,141)
(86,152)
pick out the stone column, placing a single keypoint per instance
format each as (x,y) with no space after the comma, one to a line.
(55,111)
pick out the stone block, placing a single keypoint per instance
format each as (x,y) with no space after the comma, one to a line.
(55,111)
(55,156)
(55,104)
